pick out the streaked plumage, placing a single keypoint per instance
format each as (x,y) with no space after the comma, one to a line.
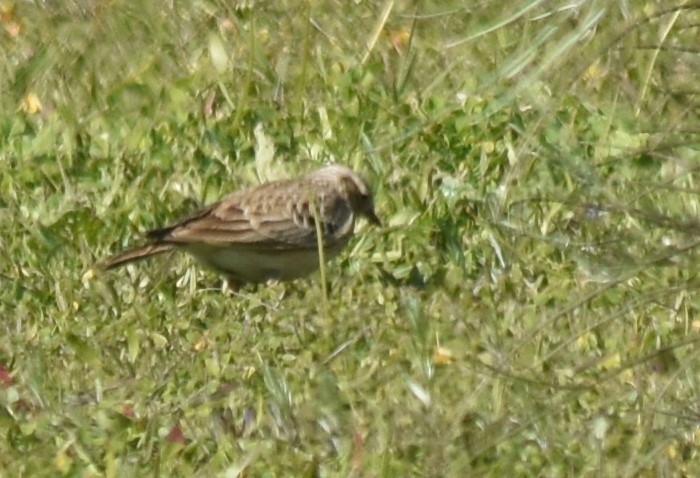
(267,232)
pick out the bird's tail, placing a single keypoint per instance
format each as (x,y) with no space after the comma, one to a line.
(135,254)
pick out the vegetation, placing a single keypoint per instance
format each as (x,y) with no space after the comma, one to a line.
(527,309)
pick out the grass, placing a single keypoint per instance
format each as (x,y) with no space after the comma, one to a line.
(527,309)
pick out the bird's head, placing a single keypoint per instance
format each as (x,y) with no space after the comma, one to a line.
(355,189)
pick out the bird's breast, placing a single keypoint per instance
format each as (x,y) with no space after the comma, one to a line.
(248,264)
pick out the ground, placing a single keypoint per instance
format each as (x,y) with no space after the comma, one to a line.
(526,309)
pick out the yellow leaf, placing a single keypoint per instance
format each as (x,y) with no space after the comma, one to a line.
(62,462)
(249,372)
(158,340)
(488,147)
(217,51)
(133,344)
(89,275)
(399,39)
(30,103)
(610,362)
(9,20)
(672,452)
(443,356)
(202,343)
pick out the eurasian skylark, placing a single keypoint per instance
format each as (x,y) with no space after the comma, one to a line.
(267,232)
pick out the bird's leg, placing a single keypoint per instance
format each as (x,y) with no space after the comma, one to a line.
(230,285)
(272,282)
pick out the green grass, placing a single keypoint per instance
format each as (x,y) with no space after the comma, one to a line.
(527,309)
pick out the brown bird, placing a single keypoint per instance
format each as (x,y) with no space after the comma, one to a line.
(267,232)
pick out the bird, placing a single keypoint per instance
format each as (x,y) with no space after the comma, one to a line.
(267,232)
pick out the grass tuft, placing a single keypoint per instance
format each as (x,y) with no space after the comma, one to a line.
(529,307)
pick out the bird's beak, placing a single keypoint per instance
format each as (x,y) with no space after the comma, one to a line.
(372,218)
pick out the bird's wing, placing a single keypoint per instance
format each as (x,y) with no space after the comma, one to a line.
(275,215)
